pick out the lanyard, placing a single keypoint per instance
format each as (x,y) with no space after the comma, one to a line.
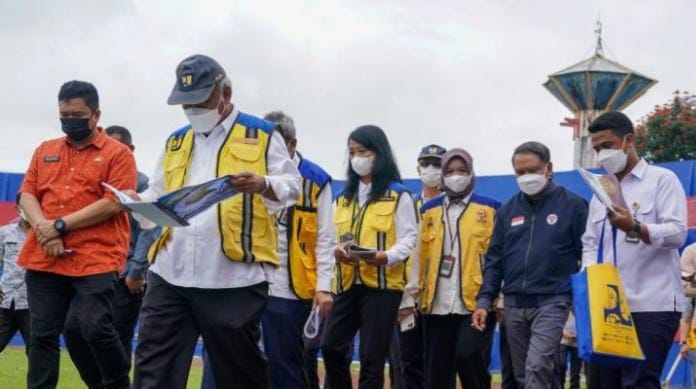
(600,251)
(353,215)
(450,232)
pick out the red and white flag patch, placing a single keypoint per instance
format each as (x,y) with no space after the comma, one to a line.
(517,221)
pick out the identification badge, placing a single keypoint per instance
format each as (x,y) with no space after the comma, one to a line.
(632,238)
(347,237)
(51,159)
(446,266)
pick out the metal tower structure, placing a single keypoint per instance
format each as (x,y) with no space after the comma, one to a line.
(591,87)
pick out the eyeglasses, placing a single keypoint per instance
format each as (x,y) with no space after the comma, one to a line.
(430,162)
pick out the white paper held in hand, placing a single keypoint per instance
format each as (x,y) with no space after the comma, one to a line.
(408,323)
(122,197)
(606,188)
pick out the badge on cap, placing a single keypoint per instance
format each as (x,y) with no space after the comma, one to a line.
(552,219)
(186,80)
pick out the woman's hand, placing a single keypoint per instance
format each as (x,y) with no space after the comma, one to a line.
(379,259)
(342,255)
(406,312)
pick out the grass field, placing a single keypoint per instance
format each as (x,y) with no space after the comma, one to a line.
(13,371)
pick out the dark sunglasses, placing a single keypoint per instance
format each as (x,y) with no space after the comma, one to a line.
(430,162)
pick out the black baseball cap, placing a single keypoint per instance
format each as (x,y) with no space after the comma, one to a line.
(432,151)
(196,77)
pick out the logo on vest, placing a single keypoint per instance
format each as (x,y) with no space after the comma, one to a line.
(552,219)
(176,143)
(481,216)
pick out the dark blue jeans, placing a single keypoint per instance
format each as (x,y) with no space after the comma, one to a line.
(655,333)
(281,326)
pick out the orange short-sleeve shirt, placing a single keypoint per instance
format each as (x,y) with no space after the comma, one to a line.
(65,179)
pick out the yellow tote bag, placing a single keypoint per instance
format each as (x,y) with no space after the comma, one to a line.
(605,329)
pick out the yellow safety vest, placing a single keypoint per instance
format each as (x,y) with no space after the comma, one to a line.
(247,230)
(474,231)
(302,230)
(372,226)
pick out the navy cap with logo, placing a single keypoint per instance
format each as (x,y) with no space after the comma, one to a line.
(432,151)
(196,77)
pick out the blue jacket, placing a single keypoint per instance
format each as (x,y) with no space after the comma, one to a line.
(534,250)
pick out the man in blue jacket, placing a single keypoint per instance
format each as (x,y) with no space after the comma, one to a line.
(535,248)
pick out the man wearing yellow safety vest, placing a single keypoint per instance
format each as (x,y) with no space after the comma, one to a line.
(211,278)
(409,342)
(303,280)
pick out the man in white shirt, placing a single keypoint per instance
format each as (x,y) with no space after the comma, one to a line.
(211,278)
(642,241)
(302,282)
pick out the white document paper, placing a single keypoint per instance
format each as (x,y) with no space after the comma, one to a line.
(150,210)
(175,208)
(606,188)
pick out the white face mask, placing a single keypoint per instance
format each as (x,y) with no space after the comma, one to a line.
(613,160)
(203,120)
(362,166)
(458,183)
(531,184)
(430,175)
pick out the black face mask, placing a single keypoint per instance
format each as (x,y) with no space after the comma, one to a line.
(76,129)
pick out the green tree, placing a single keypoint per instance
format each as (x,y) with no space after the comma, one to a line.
(668,133)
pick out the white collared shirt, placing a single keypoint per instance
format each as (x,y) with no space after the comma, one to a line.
(193,255)
(406,225)
(448,296)
(324,250)
(650,273)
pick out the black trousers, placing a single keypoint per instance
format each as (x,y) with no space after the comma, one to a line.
(126,308)
(394,359)
(592,376)
(173,317)
(412,364)
(453,347)
(311,354)
(566,353)
(11,321)
(655,333)
(373,313)
(50,296)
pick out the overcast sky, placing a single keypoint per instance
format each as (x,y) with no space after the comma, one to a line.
(459,73)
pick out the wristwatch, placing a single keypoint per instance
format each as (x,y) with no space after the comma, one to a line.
(59,225)
(635,232)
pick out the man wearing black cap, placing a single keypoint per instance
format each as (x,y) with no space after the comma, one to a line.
(407,345)
(429,172)
(210,278)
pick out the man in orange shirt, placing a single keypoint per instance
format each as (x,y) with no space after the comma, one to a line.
(79,238)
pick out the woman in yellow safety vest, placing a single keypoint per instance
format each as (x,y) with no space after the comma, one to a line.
(374,214)
(454,235)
